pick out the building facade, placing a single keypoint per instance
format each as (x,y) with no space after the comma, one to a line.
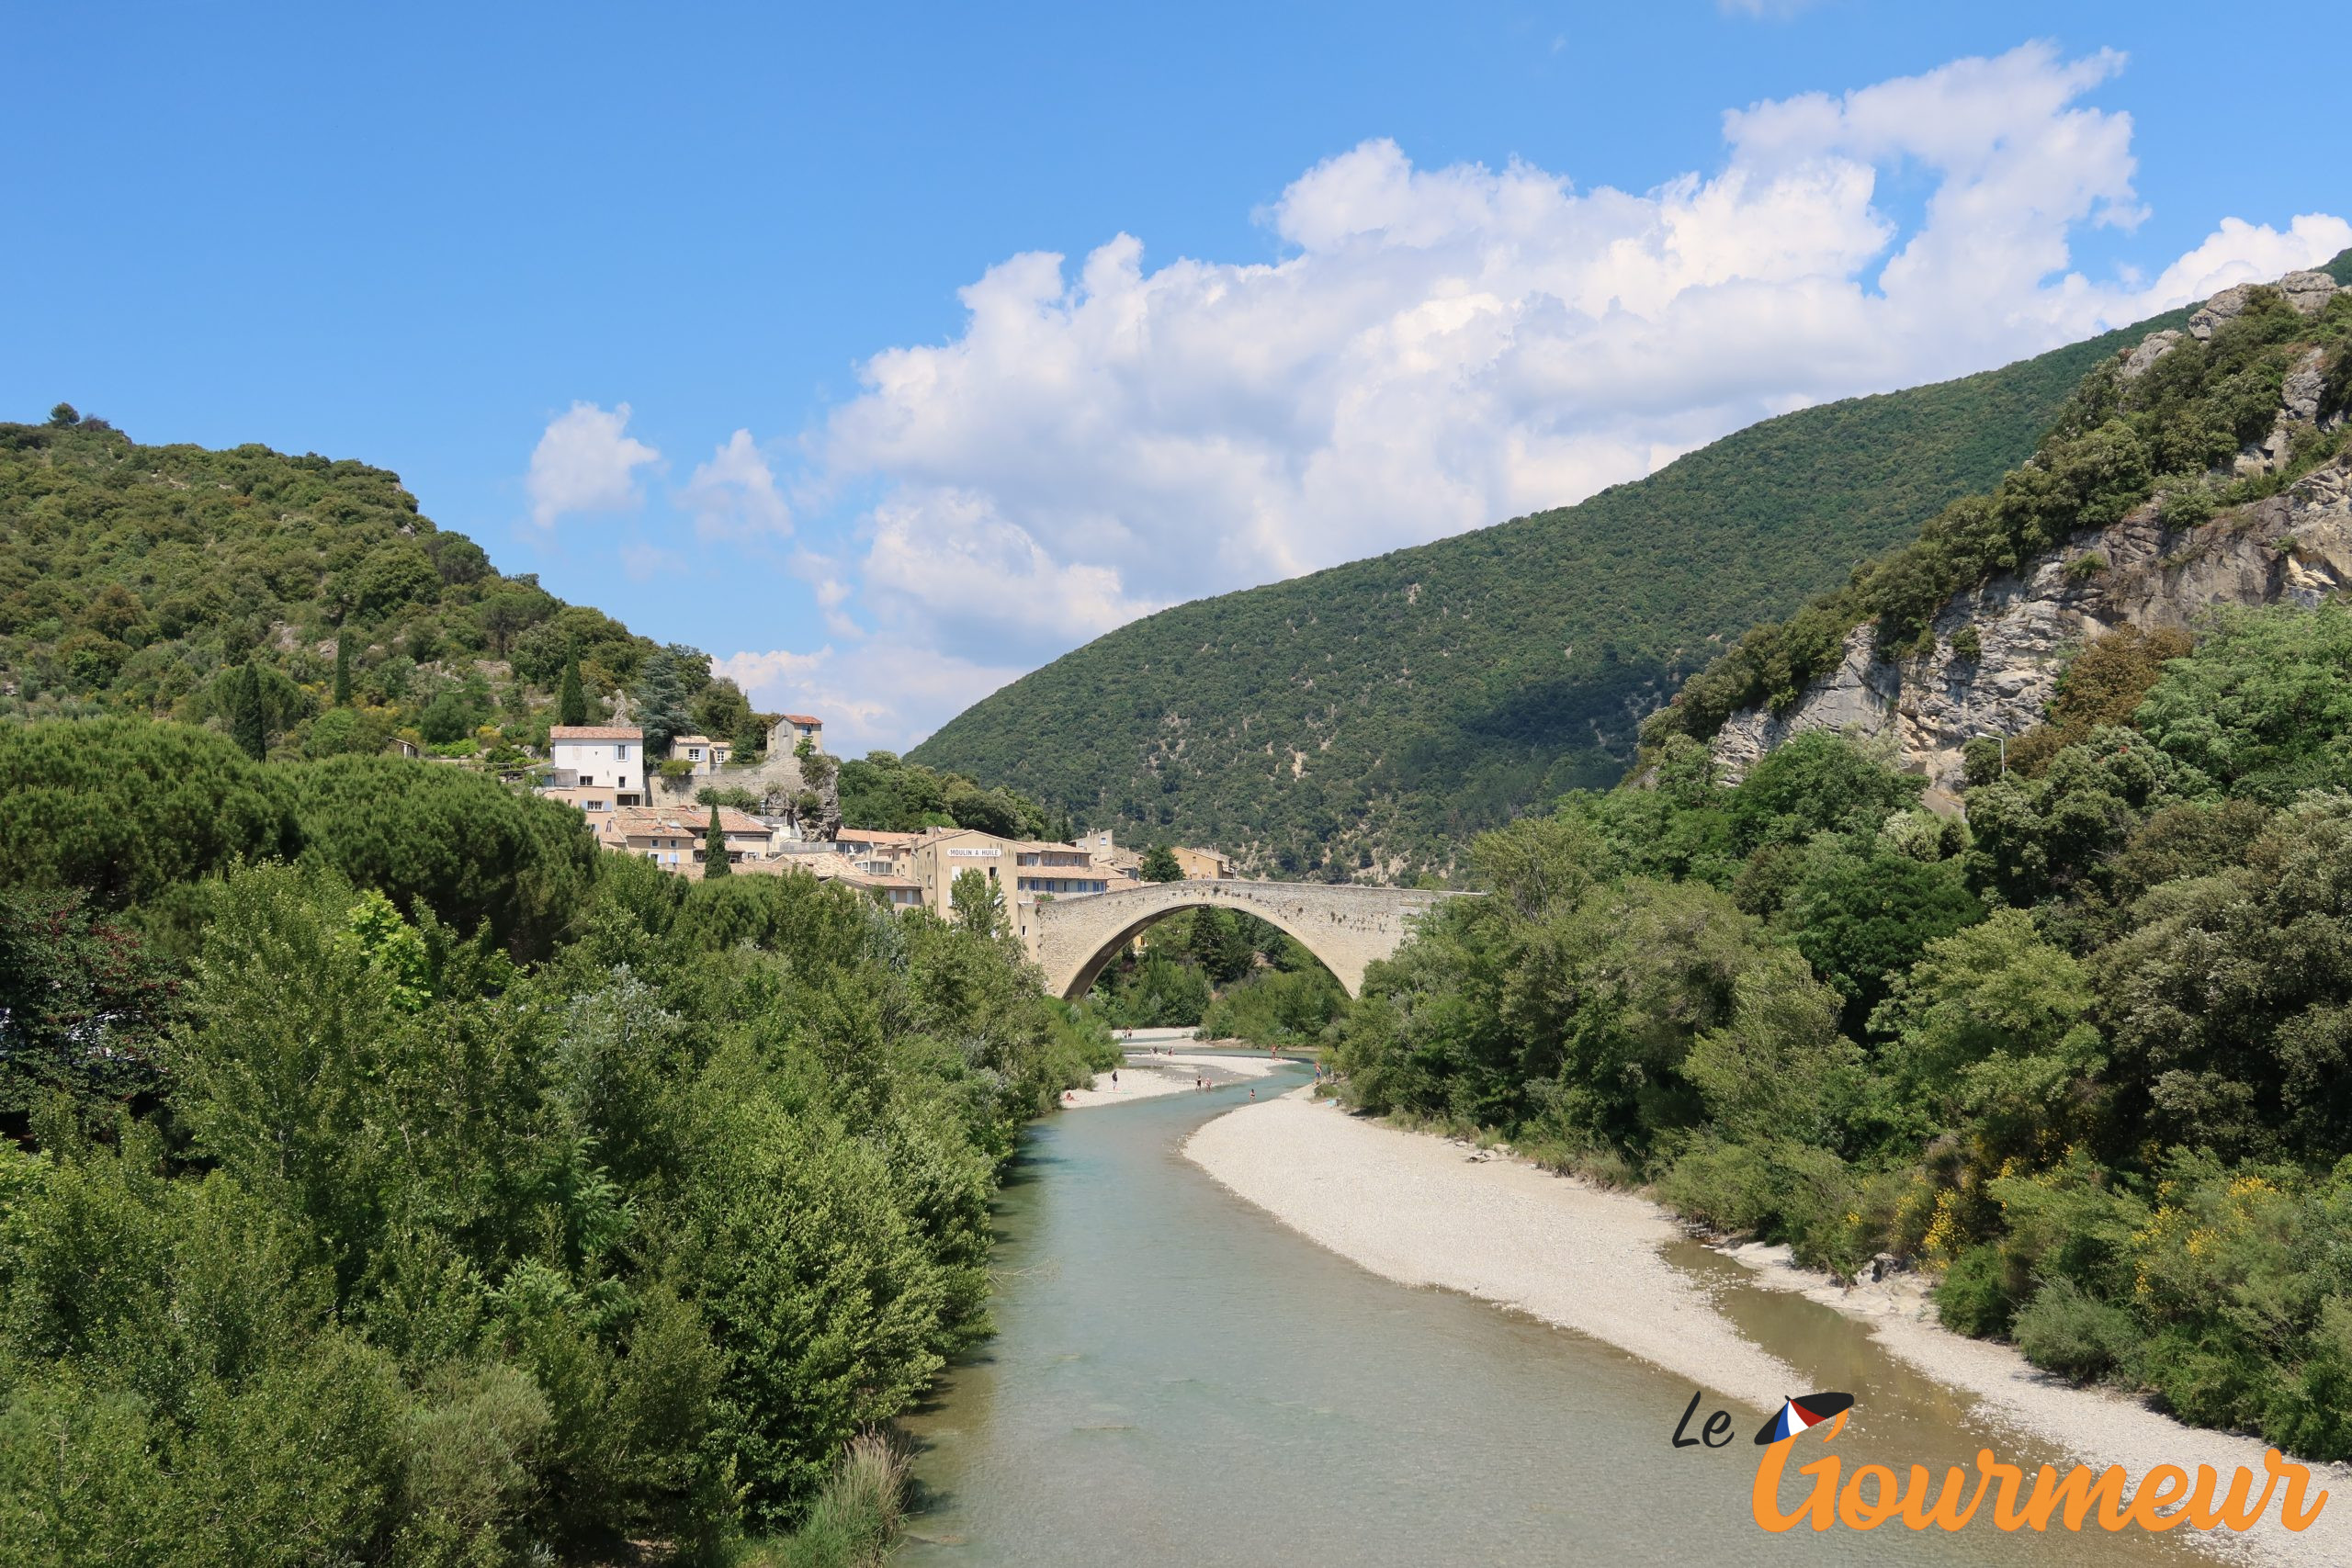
(791,729)
(703,754)
(674,839)
(600,756)
(1202,865)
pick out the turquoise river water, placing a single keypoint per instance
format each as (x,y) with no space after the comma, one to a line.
(1179,1380)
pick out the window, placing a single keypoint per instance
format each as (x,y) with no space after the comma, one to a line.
(621,752)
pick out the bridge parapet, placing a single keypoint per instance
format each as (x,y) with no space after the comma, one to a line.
(1346,925)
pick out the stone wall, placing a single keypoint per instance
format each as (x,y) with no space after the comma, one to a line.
(777,782)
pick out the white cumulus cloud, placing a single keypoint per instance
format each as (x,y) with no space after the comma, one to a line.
(1440,348)
(585,461)
(881,694)
(734,495)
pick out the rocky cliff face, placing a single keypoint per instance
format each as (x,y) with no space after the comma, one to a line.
(2294,548)
(782,784)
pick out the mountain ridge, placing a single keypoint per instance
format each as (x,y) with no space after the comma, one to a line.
(1317,724)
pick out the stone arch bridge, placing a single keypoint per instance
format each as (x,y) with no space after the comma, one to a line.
(1345,925)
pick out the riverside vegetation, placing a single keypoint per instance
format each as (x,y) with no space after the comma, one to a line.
(2085,1053)
(1368,720)
(395,1177)
(1231,975)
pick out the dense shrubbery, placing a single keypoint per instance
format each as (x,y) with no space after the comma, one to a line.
(142,579)
(2089,1055)
(883,792)
(459,1210)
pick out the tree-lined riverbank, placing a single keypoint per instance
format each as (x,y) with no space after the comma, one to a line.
(1423,1210)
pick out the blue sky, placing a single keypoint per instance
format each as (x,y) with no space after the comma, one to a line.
(1378,286)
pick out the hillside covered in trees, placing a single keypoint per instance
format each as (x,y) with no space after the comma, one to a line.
(2168,433)
(1366,719)
(2084,1053)
(2084,1056)
(389,1176)
(134,579)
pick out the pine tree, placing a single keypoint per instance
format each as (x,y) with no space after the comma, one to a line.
(342,671)
(572,702)
(665,683)
(713,848)
(248,726)
(1160,866)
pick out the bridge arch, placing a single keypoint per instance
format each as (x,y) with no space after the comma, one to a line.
(1345,926)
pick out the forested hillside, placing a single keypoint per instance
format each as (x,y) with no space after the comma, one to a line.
(2085,1057)
(2081,1053)
(133,578)
(387,1176)
(2169,434)
(1369,717)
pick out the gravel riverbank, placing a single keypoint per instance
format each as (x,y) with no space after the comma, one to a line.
(1419,1210)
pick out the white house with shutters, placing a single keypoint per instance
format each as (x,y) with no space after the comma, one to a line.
(600,756)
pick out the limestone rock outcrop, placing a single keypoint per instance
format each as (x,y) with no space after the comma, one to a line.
(781,785)
(2153,347)
(2308,292)
(2295,547)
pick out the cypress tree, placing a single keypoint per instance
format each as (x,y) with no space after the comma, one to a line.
(342,671)
(247,724)
(713,848)
(572,702)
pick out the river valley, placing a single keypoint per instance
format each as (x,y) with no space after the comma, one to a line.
(1179,1379)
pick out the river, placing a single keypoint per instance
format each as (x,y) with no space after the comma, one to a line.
(1178,1380)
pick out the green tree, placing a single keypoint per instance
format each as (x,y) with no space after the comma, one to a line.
(666,680)
(342,671)
(713,848)
(248,724)
(81,1005)
(473,851)
(1160,866)
(1862,919)
(1991,1031)
(572,702)
(976,904)
(1817,781)
(2261,704)
(1160,991)
(1215,942)
(126,809)
(341,730)
(2228,1002)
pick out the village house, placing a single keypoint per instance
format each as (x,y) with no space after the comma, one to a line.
(596,767)
(791,729)
(674,839)
(1060,870)
(878,853)
(704,755)
(900,893)
(1201,866)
